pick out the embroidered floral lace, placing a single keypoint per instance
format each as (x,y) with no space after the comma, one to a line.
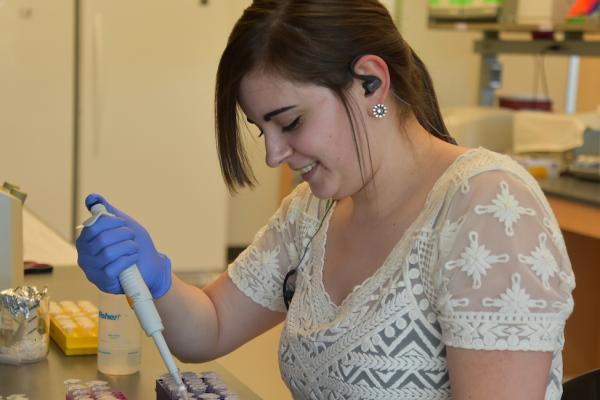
(483,266)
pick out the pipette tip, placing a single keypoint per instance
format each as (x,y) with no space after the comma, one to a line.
(182,392)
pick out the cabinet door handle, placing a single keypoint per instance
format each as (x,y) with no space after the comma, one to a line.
(97,82)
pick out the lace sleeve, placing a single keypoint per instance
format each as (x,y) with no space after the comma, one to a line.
(260,269)
(504,277)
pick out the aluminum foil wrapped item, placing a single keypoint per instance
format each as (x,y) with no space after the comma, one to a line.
(24,325)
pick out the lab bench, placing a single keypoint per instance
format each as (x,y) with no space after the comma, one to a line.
(43,380)
(576,204)
(574,189)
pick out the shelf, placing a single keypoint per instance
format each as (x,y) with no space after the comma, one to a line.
(568,39)
(550,47)
(592,25)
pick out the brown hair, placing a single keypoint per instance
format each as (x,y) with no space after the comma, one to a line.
(314,41)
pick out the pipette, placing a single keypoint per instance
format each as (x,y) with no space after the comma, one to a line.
(143,304)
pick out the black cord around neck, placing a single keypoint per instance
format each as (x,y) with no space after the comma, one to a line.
(288,292)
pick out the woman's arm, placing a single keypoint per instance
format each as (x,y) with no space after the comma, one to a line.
(199,324)
(491,375)
(203,324)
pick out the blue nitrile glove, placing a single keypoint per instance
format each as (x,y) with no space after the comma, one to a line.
(112,244)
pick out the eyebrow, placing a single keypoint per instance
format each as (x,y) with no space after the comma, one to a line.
(273,113)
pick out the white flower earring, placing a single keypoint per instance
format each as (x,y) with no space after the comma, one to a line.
(379,110)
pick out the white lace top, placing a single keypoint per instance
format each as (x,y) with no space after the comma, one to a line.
(483,266)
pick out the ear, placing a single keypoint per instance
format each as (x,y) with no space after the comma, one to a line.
(372,76)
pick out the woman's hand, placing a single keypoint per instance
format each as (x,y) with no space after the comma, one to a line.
(115,242)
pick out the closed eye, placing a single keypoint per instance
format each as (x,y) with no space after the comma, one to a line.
(295,123)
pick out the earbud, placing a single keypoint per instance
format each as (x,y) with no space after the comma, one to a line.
(370,82)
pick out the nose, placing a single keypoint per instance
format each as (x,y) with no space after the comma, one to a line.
(277,148)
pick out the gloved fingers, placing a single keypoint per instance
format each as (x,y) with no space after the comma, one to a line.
(114,288)
(104,223)
(112,253)
(83,260)
(99,278)
(108,238)
(113,269)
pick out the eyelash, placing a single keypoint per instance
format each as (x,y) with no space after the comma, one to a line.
(295,123)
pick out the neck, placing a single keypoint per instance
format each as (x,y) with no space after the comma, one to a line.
(411,161)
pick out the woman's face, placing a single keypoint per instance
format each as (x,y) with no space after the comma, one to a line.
(306,127)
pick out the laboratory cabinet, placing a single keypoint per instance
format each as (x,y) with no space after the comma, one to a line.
(146,131)
(116,97)
(36,105)
(576,204)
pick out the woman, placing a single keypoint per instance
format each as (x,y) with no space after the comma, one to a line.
(404,266)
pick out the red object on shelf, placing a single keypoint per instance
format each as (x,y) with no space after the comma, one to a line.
(525,103)
(542,35)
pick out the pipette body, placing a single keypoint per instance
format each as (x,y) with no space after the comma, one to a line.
(142,302)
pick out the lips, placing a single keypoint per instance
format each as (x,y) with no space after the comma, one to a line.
(307,169)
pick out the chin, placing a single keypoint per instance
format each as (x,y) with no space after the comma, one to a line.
(319,194)
(322,191)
